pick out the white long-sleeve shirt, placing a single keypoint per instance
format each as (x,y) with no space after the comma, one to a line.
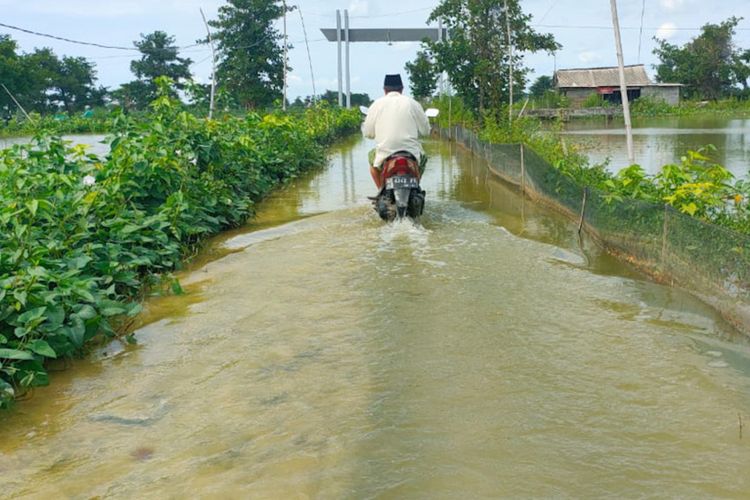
(395,121)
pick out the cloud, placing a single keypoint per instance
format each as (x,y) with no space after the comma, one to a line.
(588,56)
(671,5)
(666,31)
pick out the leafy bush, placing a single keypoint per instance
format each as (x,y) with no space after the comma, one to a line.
(696,186)
(651,106)
(81,235)
(594,100)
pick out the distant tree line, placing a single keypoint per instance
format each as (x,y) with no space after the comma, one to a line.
(477,58)
(43,82)
(250,65)
(332,98)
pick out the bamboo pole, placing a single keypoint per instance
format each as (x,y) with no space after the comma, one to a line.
(17,103)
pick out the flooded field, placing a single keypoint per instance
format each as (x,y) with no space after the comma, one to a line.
(93,141)
(659,141)
(318,353)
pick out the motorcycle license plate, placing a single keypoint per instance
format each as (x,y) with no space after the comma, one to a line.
(401,181)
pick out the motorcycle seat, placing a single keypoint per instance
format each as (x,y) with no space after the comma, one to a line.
(402,154)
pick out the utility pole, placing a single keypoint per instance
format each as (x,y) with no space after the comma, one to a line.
(510,62)
(213,68)
(286,48)
(623,84)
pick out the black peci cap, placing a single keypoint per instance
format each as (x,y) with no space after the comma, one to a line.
(393,81)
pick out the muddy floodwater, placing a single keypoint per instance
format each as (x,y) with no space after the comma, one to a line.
(318,353)
(663,140)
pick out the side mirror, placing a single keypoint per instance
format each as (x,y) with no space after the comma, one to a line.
(432,112)
(364,109)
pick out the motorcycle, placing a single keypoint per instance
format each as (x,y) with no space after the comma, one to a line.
(400,193)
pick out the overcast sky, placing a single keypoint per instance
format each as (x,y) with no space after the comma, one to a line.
(583,27)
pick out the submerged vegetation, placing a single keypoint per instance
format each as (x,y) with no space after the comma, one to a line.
(82,235)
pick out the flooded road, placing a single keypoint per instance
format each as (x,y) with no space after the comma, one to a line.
(318,353)
(663,140)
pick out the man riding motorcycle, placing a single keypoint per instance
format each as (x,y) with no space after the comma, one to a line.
(396,122)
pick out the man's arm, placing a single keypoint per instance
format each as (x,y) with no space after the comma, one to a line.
(423,123)
(368,126)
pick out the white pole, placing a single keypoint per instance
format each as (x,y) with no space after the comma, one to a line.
(623,84)
(213,68)
(348,74)
(441,82)
(510,62)
(286,48)
(338,43)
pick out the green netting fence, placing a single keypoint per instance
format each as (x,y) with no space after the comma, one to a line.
(711,262)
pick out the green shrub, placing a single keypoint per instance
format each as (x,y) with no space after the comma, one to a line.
(594,100)
(81,236)
(651,106)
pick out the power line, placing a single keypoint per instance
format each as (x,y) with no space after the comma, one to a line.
(609,28)
(552,6)
(640,32)
(91,44)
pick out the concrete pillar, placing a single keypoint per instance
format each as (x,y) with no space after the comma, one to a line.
(348,74)
(338,43)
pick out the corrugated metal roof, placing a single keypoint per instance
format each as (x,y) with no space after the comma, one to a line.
(601,77)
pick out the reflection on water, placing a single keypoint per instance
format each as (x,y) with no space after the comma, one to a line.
(93,141)
(659,141)
(485,352)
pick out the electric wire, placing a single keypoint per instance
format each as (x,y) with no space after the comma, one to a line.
(640,33)
(91,44)
(609,28)
(552,6)
(309,57)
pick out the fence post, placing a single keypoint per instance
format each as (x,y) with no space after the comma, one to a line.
(664,231)
(523,172)
(583,208)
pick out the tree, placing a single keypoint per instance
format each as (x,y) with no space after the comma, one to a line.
(12,74)
(477,56)
(74,86)
(332,97)
(709,66)
(158,58)
(541,86)
(41,69)
(42,82)
(423,75)
(251,61)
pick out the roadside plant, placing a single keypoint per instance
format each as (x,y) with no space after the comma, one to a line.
(82,236)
